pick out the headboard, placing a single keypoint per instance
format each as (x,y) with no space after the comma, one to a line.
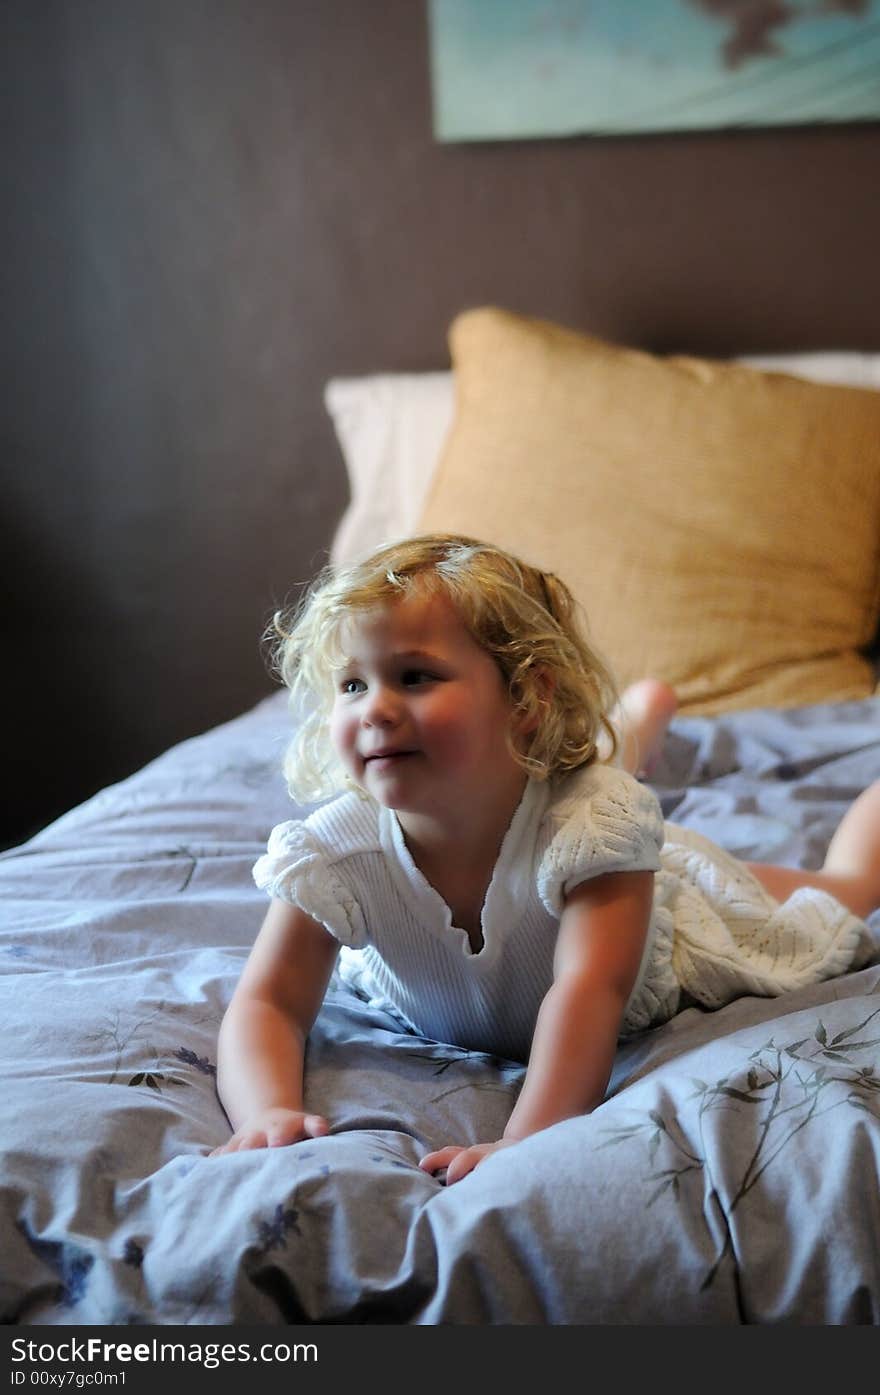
(217,209)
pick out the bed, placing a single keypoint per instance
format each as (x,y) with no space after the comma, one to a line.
(732,1174)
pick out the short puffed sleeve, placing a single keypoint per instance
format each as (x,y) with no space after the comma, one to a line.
(296,868)
(604,821)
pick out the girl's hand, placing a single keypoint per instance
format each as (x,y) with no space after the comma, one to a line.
(459,1161)
(273,1128)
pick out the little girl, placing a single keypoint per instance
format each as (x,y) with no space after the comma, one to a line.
(505,885)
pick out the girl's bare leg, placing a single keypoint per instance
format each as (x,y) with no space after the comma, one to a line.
(851,870)
(641,718)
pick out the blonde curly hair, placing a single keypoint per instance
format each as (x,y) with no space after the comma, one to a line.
(525,619)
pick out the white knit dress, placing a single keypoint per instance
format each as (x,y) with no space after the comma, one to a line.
(715,932)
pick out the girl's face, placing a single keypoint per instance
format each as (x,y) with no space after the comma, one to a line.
(421,712)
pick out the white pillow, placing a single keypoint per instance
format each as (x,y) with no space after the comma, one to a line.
(391,428)
(847,369)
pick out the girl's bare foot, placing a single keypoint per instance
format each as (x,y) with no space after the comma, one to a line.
(641,717)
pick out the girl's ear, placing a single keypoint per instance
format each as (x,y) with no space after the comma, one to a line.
(525,722)
(545,681)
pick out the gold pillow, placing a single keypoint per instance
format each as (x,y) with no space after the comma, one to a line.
(720,525)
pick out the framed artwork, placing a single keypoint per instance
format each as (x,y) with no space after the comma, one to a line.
(514,69)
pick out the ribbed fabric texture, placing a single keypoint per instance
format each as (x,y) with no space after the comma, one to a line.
(715,932)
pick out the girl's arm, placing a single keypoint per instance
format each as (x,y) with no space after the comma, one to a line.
(598,952)
(601,938)
(261,1048)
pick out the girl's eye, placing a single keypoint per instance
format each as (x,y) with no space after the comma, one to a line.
(412,677)
(350,686)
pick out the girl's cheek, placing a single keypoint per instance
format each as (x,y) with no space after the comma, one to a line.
(450,740)
(340,730)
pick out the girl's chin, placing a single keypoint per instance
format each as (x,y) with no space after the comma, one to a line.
(393,794)
(384,773)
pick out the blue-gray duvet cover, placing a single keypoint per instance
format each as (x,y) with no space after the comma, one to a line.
(731,1176)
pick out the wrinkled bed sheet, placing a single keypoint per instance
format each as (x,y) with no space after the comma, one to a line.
(730,1177)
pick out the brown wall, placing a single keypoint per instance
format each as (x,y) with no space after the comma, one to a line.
(217,204)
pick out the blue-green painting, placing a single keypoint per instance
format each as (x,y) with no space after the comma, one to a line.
(508,69)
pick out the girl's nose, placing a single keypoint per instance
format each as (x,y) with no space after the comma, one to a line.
(382,708)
